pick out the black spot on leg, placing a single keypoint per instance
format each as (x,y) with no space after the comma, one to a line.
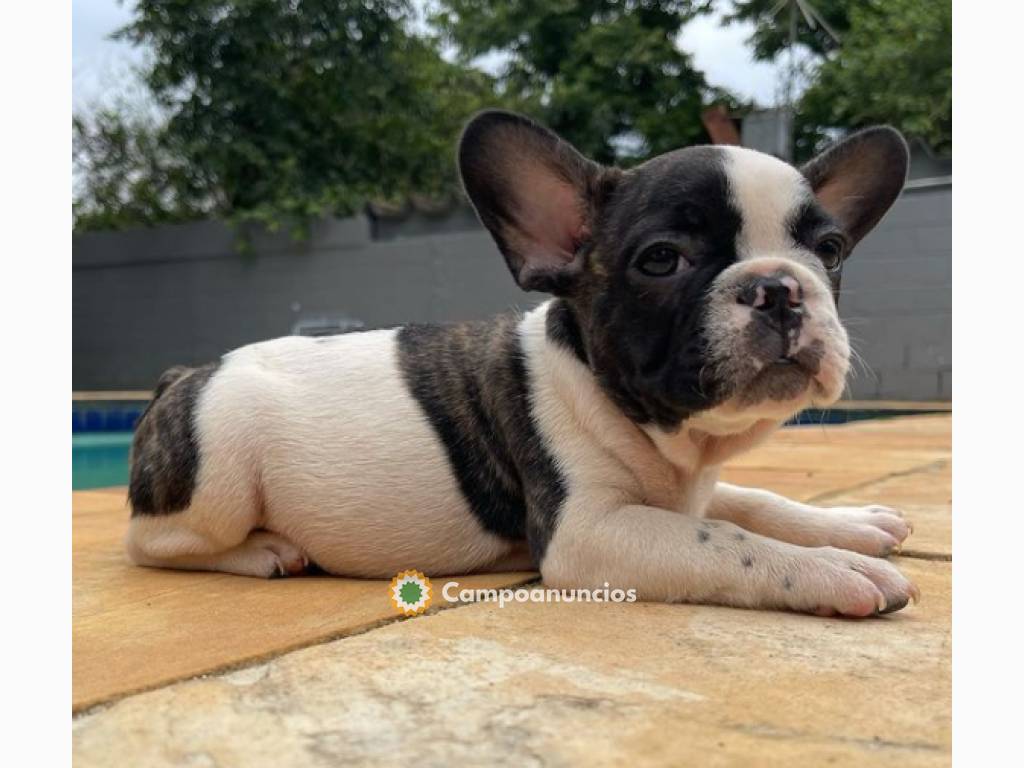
(748,561)
(787,584)
(703,536)
(741,536)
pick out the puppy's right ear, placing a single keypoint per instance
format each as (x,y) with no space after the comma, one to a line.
(535,193)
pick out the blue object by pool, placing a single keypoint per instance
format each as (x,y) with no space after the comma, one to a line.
(818,416)
(105,416)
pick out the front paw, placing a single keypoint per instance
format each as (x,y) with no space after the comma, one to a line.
(872,530)
(827,581)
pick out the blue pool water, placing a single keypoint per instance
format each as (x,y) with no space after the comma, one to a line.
(100,458)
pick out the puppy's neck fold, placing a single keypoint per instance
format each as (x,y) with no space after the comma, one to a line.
(554,346)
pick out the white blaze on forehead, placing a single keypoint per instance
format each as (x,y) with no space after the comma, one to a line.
(766,192)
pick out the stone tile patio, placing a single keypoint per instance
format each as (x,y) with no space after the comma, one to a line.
(319,671)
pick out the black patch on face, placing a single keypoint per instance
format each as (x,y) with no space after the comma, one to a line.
(165,449)
(645,336)
(470,379)
(703,536)
(810,223)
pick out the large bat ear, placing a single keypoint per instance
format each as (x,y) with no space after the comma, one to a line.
(535,193)
(858,179)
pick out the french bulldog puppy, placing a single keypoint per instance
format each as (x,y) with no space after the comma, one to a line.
(693,312)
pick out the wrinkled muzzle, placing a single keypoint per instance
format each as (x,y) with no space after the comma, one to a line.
(774,335)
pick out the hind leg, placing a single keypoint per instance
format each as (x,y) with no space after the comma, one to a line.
(262,554)
(194,489)
(220,531)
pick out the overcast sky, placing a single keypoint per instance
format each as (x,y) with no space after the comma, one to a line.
(102,68)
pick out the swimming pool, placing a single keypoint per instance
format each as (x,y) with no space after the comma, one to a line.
(100,459)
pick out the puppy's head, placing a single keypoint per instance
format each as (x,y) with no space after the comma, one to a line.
(701,281)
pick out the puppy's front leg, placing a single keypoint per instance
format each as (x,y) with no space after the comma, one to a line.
(874,530)
(674,557)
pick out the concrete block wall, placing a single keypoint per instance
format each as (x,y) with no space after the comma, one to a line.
(897,299)
(148,299)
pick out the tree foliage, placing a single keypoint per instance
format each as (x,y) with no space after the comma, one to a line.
(279,111)
(771,25)
(131,174)
(606,74)
(895,66)
(276,112)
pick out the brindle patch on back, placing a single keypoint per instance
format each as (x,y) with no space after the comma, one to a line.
(165,449)
(471,381)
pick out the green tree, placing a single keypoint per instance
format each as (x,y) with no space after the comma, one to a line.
(895,66)
(128,173)
(771,25)
(275,112)
(606,74)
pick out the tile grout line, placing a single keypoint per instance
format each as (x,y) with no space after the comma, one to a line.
(910,554)
(93,707)
(826,495)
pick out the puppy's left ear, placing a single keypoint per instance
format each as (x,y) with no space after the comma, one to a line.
(858,179)
(535,193)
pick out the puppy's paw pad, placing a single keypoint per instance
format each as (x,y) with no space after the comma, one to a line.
(288,559)
(291,563)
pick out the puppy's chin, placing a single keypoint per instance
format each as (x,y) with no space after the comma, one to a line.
(779,390)
(781,381)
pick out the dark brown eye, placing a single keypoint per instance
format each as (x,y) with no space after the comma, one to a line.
(659,261)
(830,250)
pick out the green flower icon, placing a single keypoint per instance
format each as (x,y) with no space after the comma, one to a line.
(410,593)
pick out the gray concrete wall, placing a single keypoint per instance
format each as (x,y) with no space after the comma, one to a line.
(897,299)
(145,300)
(148,299)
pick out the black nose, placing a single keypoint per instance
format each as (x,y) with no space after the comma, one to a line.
(779,298)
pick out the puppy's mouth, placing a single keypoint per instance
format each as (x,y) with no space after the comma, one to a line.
(787,376)
(785,360)
(808,362)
